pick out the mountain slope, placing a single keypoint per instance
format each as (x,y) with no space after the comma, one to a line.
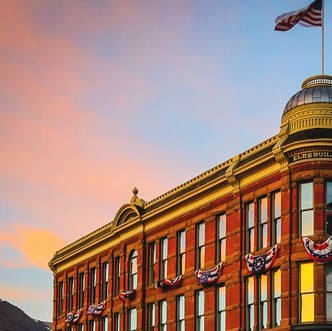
(14,319)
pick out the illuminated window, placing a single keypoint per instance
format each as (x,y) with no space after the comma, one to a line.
(221,308)
(60,296)
(306,209)
(199,310)
(221,238)
(104,323)
(81,287)
(276,300)
(117,271)
(250,223)
(329,207)
(307,306)
(181,253)
(116,321)
(276,217)
(180,313)
(328,286)
(105,280)
(132,319)
(151,262)
(133,270)
(151,316)
(250,308)
(93,284)
(70,289)
(163,315)
(262,283)
(262,221)
(163,258)
(200,245)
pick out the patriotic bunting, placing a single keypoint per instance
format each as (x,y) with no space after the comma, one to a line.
(209,276)
(69,318)
(96,309)
(308,16)
(127,295)
(167,282)
(318,252)
(260,263)
(77,316)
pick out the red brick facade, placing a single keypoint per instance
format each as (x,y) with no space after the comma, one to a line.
(225,189)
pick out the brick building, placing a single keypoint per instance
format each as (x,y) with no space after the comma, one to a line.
(243,246)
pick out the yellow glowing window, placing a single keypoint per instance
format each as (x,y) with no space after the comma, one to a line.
(307,301)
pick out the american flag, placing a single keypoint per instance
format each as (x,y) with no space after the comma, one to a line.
(308,16)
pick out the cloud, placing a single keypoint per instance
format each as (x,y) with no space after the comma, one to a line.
(36,246)
(24,294)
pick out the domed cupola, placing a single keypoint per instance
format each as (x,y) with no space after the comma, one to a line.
(310,108)
(306,123)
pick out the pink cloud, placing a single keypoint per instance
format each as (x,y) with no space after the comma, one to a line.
(37,246)
(65,163)
(20,293)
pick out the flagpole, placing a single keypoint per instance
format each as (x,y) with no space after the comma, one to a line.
(322,37)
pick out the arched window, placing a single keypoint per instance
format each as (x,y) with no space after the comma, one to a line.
(133,270)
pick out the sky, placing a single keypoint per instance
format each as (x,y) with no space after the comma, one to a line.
(98,97)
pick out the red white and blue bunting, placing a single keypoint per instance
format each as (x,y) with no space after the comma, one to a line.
(96,309)
(77,316)
(209,276)
(69,318)
(127,295)
(260,263)
(73,318)
(318,252)
(168,282)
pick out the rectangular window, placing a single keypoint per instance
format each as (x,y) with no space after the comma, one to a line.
(307,301)
(132,270)
(263,301)
(151,316)
(250,298)
(329,208)
(132,319)
(199,310)
(221,238)
(70,290)
(200,245)
(151,262)
(181,253)
(163,258)
(276,217)
(276,300)
(250,224)
(117,273)
(105,280)
(116,321)
(93,284)
(104,323)
(328,286)
(221,308)
(306,209)
(163,315)
(92,325)
(60,296)
(80,327)
(180,313)
(81,286)
(262,221)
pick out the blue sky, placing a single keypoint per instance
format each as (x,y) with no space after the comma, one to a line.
(98,97)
